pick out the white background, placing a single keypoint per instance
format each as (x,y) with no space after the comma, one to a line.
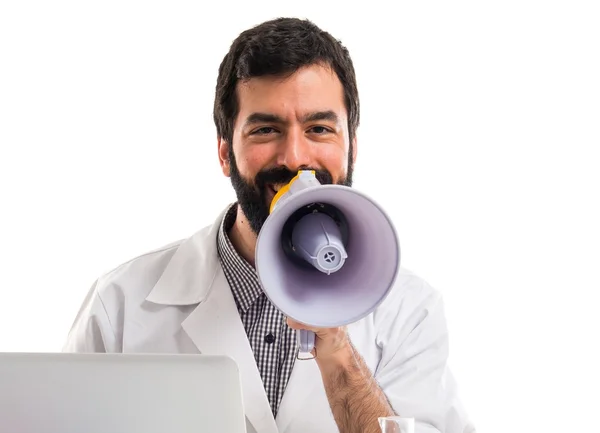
(480,134)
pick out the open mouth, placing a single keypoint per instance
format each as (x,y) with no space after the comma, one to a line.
(275,187)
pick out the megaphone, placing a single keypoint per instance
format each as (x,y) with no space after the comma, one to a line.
(326,256)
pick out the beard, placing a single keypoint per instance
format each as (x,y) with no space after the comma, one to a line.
(252,196)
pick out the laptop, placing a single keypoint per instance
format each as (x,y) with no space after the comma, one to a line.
(119,393)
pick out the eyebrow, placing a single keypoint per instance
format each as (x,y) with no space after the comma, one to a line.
(255,118)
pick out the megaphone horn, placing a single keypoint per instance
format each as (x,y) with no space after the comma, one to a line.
(326,256)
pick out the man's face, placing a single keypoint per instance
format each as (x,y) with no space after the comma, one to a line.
(283,125)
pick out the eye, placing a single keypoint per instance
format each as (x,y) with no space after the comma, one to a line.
(263,131)
(320,130)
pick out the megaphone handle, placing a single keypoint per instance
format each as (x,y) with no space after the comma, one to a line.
(306,340)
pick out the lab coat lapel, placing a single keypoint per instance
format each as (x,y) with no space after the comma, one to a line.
(303,382)
(194,277)
(215,328)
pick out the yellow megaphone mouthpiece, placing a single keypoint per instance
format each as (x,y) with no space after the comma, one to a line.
(286,188)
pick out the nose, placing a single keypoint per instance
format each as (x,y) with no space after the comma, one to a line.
(294,151)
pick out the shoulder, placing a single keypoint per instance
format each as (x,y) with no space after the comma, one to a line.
(411,291)
(138,275)
(122,294)
(99,322)
(175,265)
(413,304)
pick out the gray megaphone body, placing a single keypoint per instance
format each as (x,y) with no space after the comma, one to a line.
(326,256)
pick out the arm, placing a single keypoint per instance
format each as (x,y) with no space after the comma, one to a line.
(413,368)
(91,330)
(355,398)
(412,378)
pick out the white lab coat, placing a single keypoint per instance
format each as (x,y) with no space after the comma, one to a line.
(177,300)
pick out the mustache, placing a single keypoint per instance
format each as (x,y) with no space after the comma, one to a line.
(284,175)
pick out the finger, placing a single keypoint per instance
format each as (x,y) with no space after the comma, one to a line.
(297,325)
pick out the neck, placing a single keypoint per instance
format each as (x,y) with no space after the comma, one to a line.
(242,237)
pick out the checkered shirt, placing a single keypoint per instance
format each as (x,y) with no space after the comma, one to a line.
(272,341)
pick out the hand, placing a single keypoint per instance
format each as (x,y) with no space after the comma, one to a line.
(329,342)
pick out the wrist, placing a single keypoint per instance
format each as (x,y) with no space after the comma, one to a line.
(341,360)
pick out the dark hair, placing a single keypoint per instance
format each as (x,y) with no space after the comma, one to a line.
(279,47)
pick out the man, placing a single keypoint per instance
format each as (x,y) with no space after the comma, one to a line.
(286,99)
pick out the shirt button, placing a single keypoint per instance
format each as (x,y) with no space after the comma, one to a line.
(269,338)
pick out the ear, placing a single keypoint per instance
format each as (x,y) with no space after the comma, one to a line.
(354,149)
(223,150)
